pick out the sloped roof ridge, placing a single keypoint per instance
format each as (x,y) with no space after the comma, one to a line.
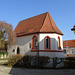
(50,21)
(34,16)
(44,20)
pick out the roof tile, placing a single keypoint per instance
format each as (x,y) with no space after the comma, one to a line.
(39,23)
(69,43)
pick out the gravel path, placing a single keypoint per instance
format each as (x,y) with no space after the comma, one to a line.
(20,71)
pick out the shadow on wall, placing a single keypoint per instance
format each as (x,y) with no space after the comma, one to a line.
(31,59)
(23,41)
(25,45)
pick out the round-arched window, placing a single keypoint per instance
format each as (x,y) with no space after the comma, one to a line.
(18,50)
(34,41)
(47,42)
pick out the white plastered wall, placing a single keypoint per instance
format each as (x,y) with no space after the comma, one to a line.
(23,44)
(53,39)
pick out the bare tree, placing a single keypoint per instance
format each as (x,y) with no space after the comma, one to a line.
(6,34)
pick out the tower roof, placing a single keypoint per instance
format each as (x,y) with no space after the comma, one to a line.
(40,23)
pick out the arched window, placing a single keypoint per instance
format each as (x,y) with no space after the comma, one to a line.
(47,42)
(34,41)
(59,43)
(18,50)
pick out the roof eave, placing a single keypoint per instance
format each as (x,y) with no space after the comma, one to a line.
(20,35)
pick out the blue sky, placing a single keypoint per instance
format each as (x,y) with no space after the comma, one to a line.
(62,12)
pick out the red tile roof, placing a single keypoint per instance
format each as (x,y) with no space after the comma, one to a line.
(39,23)
(69,43)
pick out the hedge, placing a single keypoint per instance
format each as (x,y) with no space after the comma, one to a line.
(69,62)
(4,53)
(28,61)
